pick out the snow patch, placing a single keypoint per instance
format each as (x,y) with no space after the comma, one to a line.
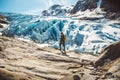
(42,45)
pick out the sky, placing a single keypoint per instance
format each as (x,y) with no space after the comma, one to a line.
(30,6)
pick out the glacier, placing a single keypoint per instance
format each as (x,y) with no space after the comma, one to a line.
(89,36)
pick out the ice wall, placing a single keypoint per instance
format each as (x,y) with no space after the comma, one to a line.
(82,35)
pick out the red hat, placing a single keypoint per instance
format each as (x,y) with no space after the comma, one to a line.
(61,32)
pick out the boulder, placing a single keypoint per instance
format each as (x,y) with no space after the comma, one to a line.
(8,75)
(1,26)
(109,54)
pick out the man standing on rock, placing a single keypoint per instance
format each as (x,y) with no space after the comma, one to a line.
(62,43)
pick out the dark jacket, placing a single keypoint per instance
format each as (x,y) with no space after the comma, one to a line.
(62,41)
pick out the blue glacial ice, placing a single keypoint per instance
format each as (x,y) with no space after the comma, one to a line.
(82,35)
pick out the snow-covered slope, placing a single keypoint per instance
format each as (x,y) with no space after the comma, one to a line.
(82,35)
(56,10)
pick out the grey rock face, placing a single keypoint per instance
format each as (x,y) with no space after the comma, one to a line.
(109,54)
(111,7)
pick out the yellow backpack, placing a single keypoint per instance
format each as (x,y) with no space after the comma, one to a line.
(64,38)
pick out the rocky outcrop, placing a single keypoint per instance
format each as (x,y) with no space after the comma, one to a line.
(109,54)
(84,5)
(110,59)
(3,23)
(3,20)
(24,60)
(111,7)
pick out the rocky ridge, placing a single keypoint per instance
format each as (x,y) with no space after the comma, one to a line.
(111,7)
(56,10)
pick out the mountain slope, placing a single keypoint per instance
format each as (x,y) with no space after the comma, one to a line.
(111,8)
(56,10)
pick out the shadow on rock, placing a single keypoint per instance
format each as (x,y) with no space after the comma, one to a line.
(110,53)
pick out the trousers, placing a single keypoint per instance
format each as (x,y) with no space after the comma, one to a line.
(62,45)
